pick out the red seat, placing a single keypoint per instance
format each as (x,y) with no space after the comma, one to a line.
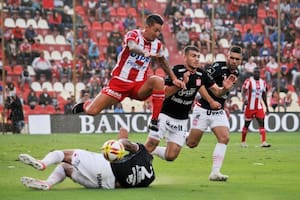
(121,12)
(247,26)
(103,42)
(239,27)
(133,12)
(17,70)
(258,28)
(8,69)
(107,26)
(261,13)
(97,26)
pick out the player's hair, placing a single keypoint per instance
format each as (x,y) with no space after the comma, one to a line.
(235,49)
(190,48)
(154,18)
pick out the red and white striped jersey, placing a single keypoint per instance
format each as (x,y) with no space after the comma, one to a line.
(131,66)
(255,89)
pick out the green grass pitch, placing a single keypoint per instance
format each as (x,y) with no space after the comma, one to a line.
(255,173)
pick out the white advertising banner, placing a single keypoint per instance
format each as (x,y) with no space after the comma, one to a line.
(39,124)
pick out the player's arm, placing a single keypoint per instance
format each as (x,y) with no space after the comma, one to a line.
(264,97)
(165,66)
(172,89)
(134,47)
(245,92)
(128,145)
(204,94)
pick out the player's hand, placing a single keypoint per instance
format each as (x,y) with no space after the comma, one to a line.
(179,83)
(215,105)
(228,83)
(186,77)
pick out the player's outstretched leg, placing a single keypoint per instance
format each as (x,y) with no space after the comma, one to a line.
(35,183)
(29,160)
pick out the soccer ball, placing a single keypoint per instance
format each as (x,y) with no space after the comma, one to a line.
(113,150)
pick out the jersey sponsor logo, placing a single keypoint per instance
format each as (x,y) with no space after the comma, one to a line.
(214,112)
(139,173)
(140,57)
(181,101)
(173,127)
(112,93)
(99,180)
(187,93)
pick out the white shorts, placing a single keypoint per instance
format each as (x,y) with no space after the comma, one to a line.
(173,130)
(94,168)
(202,118)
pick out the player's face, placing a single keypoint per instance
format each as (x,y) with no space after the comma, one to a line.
(234,60)
(256,74)
(192,60)
(152,32)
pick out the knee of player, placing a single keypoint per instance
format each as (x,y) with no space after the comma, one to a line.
(171,157)
(91,111)
(191,144)
(67,168)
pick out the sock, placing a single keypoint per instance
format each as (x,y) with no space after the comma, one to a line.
(57,176)
(244,134)
(262,132)
(160,152)
(218,157)
(158,97)
(53,158)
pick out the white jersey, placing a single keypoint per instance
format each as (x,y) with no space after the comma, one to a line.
(131,66)
(255,89)
(95,168)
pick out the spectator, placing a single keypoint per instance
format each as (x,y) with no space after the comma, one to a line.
(259,39)
(194,38)
(17,34)
(32,99)
(275,100)
(287,100)
(176,22)
(36,48)
(222,10)
(265,52)
(12,51)
(252,9)
(296,51)
(182,38)
(44,98)
(271,69)
(248,38)
(16,113)
(118,108)
(67,21)
(92,7)
(25,77)
(55,22)
(30,34)
(103,11)
(68,106)
(248,69)
(93,51)
(65,70)
(270,24)
(188,22)
(25,52)
(42,66)
(237,39)
(111,51)
(82,51)
(129,22)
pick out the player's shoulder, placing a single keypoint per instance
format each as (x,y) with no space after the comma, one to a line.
(179,68)
(200,72)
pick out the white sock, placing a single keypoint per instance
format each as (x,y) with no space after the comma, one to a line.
(57,176)
(218,157)
(53,157)
(160,152)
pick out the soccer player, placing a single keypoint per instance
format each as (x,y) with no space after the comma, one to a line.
(174,115)
(204,115)
(253,91)
(92,170)
(129,76)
